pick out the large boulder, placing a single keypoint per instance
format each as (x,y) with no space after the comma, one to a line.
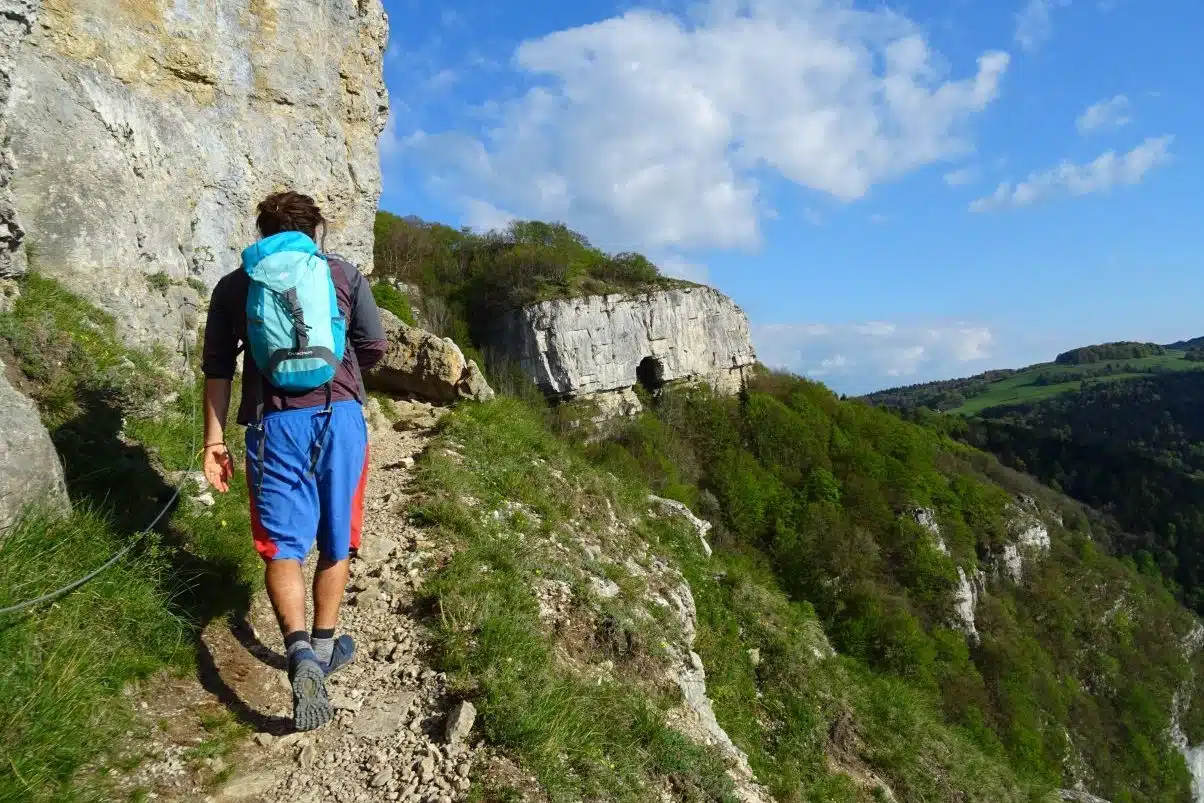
(30,471)
(418,363)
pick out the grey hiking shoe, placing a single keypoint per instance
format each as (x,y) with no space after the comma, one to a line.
(344,652)
(311,705)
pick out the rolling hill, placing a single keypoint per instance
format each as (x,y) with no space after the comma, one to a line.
(1069,372)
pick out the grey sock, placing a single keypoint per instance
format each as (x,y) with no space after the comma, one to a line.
(324,645)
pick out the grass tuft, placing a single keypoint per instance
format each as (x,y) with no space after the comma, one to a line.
(395,301)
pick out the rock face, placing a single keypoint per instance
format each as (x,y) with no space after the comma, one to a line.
(583,346)
(16,21)
(970,588)
(29,466)
(1079,796)
(421,364)
(1193,755)
(1031,537)
(144,132)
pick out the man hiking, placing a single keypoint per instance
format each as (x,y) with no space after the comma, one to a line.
(309,326)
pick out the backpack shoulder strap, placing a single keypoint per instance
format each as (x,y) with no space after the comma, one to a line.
(352,275)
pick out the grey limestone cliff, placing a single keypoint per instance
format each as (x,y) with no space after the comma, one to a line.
(599,344)
(140,134)
(16,21)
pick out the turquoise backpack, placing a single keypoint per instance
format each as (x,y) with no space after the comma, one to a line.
(295,331)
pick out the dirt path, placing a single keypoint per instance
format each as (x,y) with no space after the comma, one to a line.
(389,740)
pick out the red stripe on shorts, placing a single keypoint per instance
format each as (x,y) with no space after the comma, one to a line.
(357,503)
(263,542)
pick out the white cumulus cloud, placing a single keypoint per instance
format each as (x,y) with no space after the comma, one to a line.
(683,269)
(958,178)
(860,357)
(482,216)
(1107,115)
(1034,22)
(829,365)
(1108,170)
(649,130)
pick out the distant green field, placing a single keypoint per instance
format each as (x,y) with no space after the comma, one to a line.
(1026,386)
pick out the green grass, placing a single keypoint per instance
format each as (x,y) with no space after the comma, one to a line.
(223,734)
(580,738)
(388,408)
(1022,387)
(65,665)
(395,301)
(159,281)
(125,427)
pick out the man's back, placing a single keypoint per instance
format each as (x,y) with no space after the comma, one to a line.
(226,335)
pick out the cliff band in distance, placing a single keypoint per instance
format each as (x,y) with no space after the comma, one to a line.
(583,347)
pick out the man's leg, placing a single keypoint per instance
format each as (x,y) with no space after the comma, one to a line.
(330,583)
(286,589)
(284,508)
(341,482)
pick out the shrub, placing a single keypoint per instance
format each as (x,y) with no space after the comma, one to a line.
(395,301)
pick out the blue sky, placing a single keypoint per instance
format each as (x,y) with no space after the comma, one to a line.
(894,192)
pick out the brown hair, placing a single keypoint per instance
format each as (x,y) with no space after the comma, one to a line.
(290,211)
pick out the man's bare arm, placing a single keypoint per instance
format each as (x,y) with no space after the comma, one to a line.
(218,466)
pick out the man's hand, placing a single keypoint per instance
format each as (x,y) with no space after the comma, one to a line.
(219,468)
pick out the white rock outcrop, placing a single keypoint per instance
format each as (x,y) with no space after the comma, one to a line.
(695,717)
(1030,537)
(144,132)
(583,346)
(1193,755)
(970,588)
(673,507)
(1079,796)
(926,518)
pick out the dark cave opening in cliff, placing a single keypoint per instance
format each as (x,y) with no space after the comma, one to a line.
(651,373)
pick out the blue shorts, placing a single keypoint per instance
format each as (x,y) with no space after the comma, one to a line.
(290,509)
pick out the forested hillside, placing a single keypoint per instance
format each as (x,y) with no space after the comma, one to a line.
(1065,672)
(1116,426)
(1077,662)
(1134,449)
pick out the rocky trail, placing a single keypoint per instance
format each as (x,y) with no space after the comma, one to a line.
(396,736)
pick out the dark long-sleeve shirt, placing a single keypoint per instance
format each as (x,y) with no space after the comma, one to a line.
(226,334)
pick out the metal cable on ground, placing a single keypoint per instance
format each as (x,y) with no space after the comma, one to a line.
(53,595)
